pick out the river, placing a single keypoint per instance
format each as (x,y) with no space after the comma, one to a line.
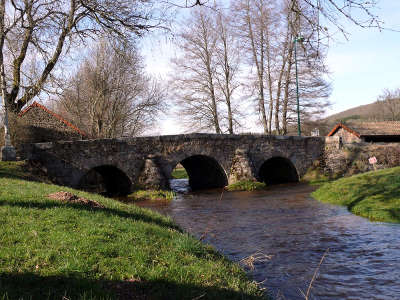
(288,232)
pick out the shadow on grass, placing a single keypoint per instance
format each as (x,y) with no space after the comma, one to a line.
(110,211)
(21,171)
(32,286)
(15,174)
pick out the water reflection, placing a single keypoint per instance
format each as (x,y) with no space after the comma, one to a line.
(287,224)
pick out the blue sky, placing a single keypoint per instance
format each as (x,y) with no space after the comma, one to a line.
(360,67)
(367,63)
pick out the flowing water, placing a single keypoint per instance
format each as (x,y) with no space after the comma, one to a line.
(290,232)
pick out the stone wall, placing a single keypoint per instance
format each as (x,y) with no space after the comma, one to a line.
(38,126)
(352,158)
(150,160)
(208,158)
(346,136)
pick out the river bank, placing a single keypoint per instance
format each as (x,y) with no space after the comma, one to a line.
(94,247)
(373,195)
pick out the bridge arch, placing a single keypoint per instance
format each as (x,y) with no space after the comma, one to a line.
(204,172)
(106,179)
(277,170)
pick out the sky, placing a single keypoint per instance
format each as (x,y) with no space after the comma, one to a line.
(367,63)
(360,67)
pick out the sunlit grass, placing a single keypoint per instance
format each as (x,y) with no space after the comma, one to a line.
(315,177)
(152,195)
(374,195)
(179,173)
(246,186)
(51,249)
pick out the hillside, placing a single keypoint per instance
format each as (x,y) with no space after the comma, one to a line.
(367,111)
(378,111)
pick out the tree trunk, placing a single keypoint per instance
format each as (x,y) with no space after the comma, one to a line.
(286,91)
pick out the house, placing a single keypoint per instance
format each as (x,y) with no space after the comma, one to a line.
(37,124)
(384,131)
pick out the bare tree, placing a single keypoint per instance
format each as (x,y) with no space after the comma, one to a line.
(228,67)
(194,78)
(390,100)
(314,90)
(319,14)
(47,30)
(110,95)
(267,32)
(206,73)
(253,28)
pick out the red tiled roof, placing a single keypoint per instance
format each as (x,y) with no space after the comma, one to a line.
(369,128)
(35,104)
(340,125)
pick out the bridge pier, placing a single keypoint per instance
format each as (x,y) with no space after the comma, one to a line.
(152,176)
(242,168)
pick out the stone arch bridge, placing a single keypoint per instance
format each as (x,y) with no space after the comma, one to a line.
(210,160)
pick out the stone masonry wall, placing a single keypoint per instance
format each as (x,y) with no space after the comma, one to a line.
(349,159)
(67,162)
(346,136)
(37,126)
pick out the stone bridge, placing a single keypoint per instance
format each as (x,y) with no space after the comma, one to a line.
(210,160)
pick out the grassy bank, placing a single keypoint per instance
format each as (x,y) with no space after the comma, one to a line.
(374,195)
(50,249)
(246,186)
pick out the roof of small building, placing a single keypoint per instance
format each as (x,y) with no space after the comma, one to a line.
(369,128)
(57,116)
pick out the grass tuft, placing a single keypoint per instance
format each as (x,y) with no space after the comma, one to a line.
(374,195)
(246,186)
(315,177)
(152,195)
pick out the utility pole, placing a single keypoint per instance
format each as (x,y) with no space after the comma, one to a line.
(297,39)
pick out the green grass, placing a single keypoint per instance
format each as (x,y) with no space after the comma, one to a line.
(315,177)
(374,195)
(179,173)
(152,195)
(246,186)
(14,170)
(50,249)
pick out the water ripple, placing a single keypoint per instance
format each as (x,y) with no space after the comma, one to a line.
(295,230)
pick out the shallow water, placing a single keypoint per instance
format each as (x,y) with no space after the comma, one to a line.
(291,232)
